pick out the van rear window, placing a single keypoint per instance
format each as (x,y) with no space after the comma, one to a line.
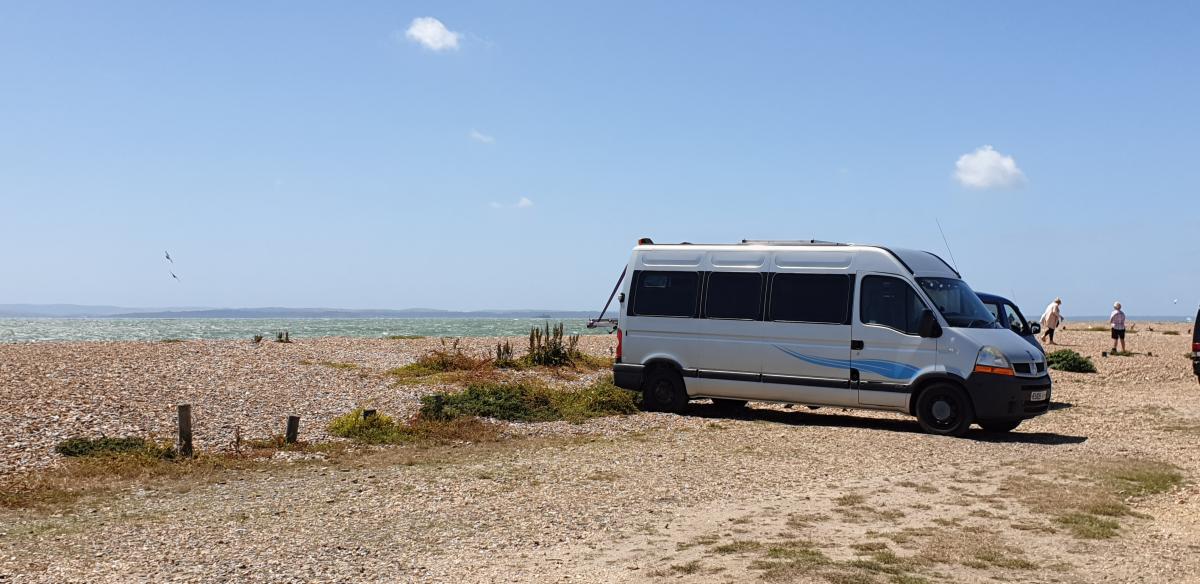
(734,295)
(665,293)
(818,298)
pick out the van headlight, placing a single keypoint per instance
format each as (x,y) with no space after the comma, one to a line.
(992,360)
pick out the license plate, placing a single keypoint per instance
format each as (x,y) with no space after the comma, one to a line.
(1038,395)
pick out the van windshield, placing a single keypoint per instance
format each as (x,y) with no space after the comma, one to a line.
(958,303)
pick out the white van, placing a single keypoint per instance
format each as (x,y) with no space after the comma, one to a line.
(821,324)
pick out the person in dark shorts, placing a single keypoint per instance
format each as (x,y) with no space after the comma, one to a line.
(1117,321)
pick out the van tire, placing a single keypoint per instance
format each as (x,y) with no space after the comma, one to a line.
(1000,426)
(945,410)
(663,391)
(729,406)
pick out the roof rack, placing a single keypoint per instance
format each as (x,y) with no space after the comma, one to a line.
(789,242)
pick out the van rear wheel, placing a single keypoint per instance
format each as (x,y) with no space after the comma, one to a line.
(663,391)
(945,410)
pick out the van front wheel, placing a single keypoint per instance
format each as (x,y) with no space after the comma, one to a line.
(1000,426)
(663,391)
(730,407)
(945,410)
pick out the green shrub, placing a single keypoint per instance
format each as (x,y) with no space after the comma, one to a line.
(404,337)
(128,445)
(1068,360)
(374,429)
(1170,332)
(283,337)
(524,401)
(551,347)
(256,339)
(504,356)
(599,399)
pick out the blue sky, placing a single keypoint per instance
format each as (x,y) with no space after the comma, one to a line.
(313,154)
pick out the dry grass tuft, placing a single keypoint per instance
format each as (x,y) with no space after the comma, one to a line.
(76,478)
(1087,498)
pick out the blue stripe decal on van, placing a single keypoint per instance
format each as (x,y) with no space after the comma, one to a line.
(888,369)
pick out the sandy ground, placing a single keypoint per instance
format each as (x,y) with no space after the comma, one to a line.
(645,498)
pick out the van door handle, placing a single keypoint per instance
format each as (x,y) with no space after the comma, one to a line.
(856,345)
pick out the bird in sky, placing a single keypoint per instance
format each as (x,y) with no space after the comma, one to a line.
(173,274)
(168,254)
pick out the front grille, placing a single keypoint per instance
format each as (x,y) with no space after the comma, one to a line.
(1029,369)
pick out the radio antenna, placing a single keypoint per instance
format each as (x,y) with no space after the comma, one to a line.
(947,242)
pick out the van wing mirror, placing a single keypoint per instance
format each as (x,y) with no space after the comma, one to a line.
(929,327)
(1035,328)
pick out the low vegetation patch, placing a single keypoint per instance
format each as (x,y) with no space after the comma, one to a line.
(1088,526)
(1088,499)
(528,401)
(98,466)
(444,359)
(171,341)
(404,337)
(548,347)
(129,445)
(1068,360)
(1172,333)
(379,428)
(339,365)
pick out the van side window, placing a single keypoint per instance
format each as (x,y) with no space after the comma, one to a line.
(890,302)
(819,298)
(735,295)
(666,293)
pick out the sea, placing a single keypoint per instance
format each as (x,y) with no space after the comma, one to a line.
(25,330)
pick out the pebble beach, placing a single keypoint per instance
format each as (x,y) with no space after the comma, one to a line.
(641,498)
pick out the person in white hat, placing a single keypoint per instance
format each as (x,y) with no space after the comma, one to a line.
(1051,318)
(1117,321)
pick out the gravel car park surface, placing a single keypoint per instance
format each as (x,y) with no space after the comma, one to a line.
(781,494)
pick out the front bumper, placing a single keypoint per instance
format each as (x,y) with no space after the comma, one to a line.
(1006,397)
(628,375)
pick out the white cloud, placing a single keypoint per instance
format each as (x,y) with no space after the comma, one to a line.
(987,169)
(432,34)
(482,138)
(522,203)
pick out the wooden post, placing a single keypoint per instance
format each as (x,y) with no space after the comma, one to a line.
(368,413)
(293,429)
(185,430)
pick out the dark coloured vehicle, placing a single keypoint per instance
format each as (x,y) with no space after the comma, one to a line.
(1196,346)
(1009,316)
